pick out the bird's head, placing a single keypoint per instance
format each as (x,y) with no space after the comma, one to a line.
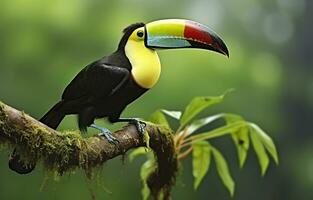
(141,40)
(173,34)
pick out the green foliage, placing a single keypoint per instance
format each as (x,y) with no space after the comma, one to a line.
(197,124)
(227,129)
(223,171)
(201,158)
(262,143)
(188,141)
(197,105)
(240,137)
(260,152)
(242,142)
(266,141)
(172,113)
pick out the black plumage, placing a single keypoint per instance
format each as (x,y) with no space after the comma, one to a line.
(102,89)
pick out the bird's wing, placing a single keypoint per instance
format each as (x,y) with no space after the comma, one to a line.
(96,80)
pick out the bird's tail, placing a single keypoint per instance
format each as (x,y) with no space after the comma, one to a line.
(52,119)
(54,116)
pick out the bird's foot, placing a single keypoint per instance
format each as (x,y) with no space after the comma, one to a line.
(140,125)
(106,133)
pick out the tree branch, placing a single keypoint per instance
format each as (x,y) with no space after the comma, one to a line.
(68,150)
(18,128)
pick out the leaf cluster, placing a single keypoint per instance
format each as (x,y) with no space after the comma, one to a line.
(190,142)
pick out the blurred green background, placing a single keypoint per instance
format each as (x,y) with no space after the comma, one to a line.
(45,43)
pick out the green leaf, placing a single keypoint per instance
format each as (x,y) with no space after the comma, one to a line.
(231,118)
(159,118)
(201,158)
(223,170)
(242,142)
(137,152)
(227,129)
(267,141)
(146,169)
(196,125)
(198,104)
(240,138)
(173,114)
(260,151)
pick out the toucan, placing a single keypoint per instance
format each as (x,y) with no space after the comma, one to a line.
(105,87)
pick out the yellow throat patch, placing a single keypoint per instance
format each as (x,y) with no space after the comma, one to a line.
(146,66)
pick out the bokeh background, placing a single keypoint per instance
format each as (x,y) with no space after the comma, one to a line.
(43,44)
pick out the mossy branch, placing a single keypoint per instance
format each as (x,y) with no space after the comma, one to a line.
(64,151)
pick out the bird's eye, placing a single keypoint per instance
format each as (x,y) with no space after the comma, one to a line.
(140,34)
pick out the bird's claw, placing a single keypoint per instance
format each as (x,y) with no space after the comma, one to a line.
(108,135)
(140,125)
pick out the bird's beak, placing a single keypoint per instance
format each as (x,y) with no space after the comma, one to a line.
(179,33)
